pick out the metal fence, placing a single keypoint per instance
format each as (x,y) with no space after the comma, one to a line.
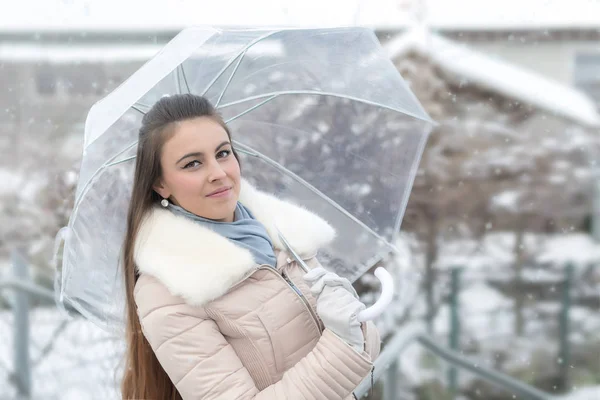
(45,354)
(386,367)
(559,319)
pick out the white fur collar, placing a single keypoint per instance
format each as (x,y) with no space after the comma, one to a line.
(200,265)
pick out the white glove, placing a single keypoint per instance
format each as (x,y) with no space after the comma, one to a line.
(337,305)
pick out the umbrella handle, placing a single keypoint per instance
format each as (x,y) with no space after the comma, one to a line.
(387,292)
(386,280)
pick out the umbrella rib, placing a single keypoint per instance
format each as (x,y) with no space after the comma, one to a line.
(110,162)
(251,109)
(121,161)
(181,78)
(273,97)
(310,92)
(254,154)
(242,51)
(251,152)
(221,72)
(240,58)
(136,108)
(107,163)
(177,80)
(413,173)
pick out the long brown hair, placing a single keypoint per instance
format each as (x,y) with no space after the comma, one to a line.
(144,377)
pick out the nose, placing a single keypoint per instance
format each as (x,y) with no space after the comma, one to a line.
(216,172)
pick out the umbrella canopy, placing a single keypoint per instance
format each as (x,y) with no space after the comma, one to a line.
(321,117)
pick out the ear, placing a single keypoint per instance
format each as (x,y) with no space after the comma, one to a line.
(160,188)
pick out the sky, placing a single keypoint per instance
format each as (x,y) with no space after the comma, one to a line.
(176,14)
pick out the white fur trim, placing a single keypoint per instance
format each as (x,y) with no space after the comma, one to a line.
(305,231)
(200,265)
(189,259)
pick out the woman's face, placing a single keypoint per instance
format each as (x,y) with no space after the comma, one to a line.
(200,172)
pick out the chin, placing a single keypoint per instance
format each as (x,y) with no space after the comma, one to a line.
(225,212)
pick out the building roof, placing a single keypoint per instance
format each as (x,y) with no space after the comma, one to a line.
(76,53)
(169,15)
(497,75)
(513,14)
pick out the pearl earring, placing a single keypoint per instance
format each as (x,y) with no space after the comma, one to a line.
(164,203)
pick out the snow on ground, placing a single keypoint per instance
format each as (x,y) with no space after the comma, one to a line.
(508,200)
(11,181)
(487,315)
(493,253)
(577,248)
(493,250)
(589,393)
(541,275)
(73,361)
(83,360)
(497,250)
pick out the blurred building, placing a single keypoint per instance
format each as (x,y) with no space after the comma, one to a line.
(53,70)
(570,56)
(51,80)
(557,39)
(512,146)
(51,66)
(515,86)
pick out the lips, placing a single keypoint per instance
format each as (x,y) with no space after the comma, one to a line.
(219,191)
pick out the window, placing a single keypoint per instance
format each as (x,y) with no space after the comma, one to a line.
(84,80)
(71,80)
(587,75)
(46,80)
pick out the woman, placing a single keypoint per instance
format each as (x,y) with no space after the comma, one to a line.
(216,308)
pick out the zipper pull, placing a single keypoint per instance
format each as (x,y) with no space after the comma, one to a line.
(372,380)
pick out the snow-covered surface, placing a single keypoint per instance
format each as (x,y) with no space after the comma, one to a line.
(542,276)
(484,311)
(523,14)
(102,15)
(481,298)
(579,249)
(496,74)
(588,393)
(487,314)
(11,181)
(59,53)
(78,362)
(83,360)
(508,200)
(497,250)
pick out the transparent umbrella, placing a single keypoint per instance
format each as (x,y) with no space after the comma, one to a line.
(321,117)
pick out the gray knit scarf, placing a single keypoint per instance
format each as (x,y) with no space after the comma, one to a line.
(245,231)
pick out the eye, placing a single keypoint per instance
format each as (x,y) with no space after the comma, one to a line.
(192,164)
(223,153)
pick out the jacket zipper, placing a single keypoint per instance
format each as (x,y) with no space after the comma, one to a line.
(304,300)
(291,284)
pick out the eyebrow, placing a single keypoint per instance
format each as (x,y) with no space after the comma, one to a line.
(200,154)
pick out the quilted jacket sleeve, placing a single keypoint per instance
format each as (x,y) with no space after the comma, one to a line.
(203,365)
(372,340)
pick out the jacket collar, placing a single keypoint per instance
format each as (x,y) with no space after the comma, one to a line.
(199,265)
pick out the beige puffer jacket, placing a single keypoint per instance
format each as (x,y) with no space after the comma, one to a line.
(225,328)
